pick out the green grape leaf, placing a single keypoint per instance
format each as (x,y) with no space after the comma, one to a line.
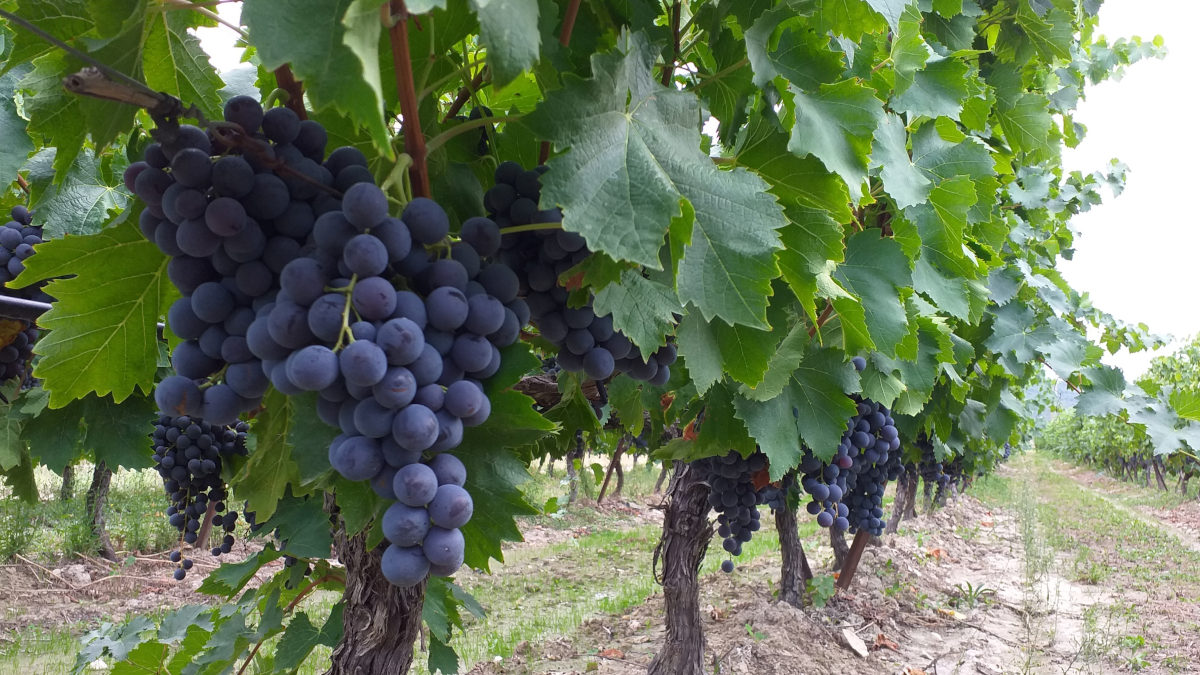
(1015,332)
(493,478)
(851,18)
(309,437)
(301,524)
(836,125)
(641,308)
(118,433)
(718,348)
(909,51)
(54,434)
(1027,123)
(894,10)
(813,245)
(796,181)
(801,54)
(263,479)
(1186,404)
(13,136)
(1051,35)
(901,178)
(175,63)
(309,35)
(937,90)
(641,140)
(780,366)
(812,410)
(509,31)
(83,198)
(875,270)
(174,626)
(103,326)
(423,6)
(1106,395)
(230,578)
(301,637)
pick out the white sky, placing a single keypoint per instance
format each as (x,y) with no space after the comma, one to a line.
(1137,255)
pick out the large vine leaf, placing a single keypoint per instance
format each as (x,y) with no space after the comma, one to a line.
(309,35)
(81,201)
(875,270)
(103,334)
(493,479)
(509,30)
(13,137)
(641,308)
(633,153)
(836,125)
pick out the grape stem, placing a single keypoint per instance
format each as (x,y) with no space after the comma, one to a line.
(459,129)
(295,89)
(669,67)
(345,332)
(464,94)
(414,140)
(821,320)
(304,592)
(532,227)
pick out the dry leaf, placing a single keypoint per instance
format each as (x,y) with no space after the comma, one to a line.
(612,653)
(938,553)
(884,642)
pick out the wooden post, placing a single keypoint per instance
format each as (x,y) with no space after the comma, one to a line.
(851,566)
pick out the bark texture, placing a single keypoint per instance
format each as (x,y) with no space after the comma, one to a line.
(68,483)
(685,537)
(795,572)
(837,539)
(905,503)
(382,621)
(97,497)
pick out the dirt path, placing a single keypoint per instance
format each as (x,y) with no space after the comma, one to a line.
(991,586)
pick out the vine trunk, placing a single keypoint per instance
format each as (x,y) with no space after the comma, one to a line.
(685,537)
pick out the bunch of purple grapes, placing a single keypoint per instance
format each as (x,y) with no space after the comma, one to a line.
(231,211)
(585,342)
(733,496)
(422,526)
(400,372)
(187,455)
(17,239)
(846,493)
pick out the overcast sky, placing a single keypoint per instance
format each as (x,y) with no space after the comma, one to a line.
(1138,256)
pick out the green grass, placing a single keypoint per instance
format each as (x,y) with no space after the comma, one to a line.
(55,530)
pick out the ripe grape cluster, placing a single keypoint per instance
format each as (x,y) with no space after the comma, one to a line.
(422,526)
(733,496)
(187,455)
(17,239)
(585,342)
(400,372)
(231,210)
(847,492)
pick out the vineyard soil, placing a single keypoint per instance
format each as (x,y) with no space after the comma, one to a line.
(997,582)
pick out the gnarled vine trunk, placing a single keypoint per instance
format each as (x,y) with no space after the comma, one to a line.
(381,621)
(97,497)
(685,537)
(68,483)
(795,572)
(837,539)
(905,503)
(1158,473)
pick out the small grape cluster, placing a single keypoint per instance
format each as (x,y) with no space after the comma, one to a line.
(422,526)
(585,342)
(187,455)
(733,496)
(847,492)
(15,357)
(17,239)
